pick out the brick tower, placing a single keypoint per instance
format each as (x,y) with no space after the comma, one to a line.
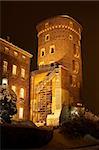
(58,79)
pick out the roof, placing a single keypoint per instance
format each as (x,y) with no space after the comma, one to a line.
(61,16)
(17,48)
(66,16)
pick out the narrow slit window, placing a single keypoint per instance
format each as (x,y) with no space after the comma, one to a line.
(47,37)
(52,49)
(21,113)
(42,52)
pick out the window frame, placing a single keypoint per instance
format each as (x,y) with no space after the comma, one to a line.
(52,46)
(22,93)
(14,70)
(42,50)
(47,35)
(21,112)
(70,37)
(23,72)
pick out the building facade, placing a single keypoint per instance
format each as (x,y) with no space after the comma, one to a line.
(59,77)
(15,72)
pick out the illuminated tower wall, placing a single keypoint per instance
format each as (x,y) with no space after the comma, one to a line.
(62,34)
(58,43)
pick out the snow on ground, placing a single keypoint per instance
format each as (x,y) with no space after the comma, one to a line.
(60,142)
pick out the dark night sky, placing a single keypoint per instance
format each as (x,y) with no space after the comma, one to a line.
(19,19)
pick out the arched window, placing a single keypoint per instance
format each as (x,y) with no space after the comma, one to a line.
(21,113)
(47,37)
(52,49)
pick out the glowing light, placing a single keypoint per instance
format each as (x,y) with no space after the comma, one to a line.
(4,81)
(20,113)
(21,93)
(22,72)
(14,69)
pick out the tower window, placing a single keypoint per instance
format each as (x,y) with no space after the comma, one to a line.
(22,72)
(22,93)
(52,48)
(14,69)
(70,37)
(5,65)
(47,37)
(42,52)
(46,24)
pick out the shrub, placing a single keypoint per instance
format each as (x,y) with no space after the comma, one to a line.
(77,125)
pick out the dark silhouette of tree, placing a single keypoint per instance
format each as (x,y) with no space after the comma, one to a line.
(7,104)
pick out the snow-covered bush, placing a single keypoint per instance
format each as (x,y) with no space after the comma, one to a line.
(7,104)
(77,122)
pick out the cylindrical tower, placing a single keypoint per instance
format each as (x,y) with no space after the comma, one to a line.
(59,41)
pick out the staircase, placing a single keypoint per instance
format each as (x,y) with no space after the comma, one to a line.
(48,78)
(44,89)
